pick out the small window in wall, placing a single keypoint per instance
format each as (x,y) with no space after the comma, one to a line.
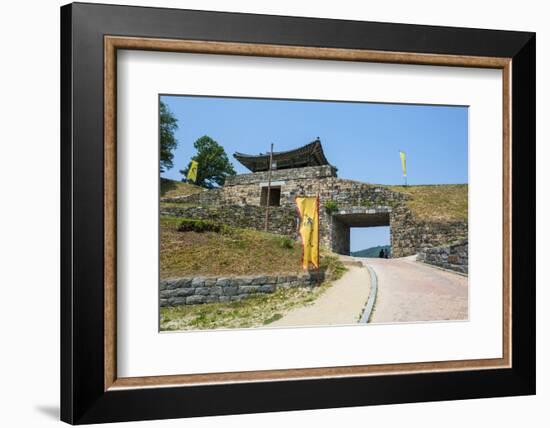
(274,197)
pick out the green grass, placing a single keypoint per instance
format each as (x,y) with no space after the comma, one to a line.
(258,310)
(176,205)
(173,189)
(445,202)
(231,252)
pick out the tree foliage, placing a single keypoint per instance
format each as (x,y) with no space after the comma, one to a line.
(168,142)
(214,165)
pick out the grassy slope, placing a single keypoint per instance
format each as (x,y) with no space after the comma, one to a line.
(236,252)
(256,311)
(446,202)
(239,252)
(173,189)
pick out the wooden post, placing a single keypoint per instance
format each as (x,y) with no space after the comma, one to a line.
(268,188)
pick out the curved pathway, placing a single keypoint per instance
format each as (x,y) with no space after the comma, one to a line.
(410,291)
(342,303)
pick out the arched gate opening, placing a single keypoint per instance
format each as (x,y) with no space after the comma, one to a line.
(344,220)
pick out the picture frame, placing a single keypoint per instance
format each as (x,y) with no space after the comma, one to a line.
(91,391)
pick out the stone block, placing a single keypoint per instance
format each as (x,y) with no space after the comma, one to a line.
(267,288)
(223,282)
(197,282)
(230,291)
(236,282)
(453,259)
(175,301)
(169,284)
(202,291)
(183,283)
(247,289)
(168,293)
(216,291)
(259,280)
(184,292)
(193,300)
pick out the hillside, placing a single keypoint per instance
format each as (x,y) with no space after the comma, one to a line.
(173,189)
(371,252)
(230,252)
(443,202)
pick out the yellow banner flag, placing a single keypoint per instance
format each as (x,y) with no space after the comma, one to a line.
(403,163)
(192,173)
(308,209)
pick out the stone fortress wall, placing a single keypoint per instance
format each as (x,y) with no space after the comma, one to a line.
(343,204)
(452,256)
(282,220)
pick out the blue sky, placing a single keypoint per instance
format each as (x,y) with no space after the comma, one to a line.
(361,139)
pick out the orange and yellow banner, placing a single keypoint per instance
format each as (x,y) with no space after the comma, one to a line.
(308,209)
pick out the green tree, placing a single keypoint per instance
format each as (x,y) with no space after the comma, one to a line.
(168,142)
(214,164)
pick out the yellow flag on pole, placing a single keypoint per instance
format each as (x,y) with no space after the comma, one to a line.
(192,173)
(403,163)
(308,209)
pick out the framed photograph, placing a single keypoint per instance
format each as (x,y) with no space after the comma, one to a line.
(266,213)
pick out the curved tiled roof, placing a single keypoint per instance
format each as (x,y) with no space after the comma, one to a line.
(309,155)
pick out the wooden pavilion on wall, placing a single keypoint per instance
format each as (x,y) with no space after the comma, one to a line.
(308,155)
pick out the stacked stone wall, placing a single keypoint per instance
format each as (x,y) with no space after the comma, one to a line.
(409,235)
(282,220)
(311,172)
(453,256)
(196,290)
(345,193)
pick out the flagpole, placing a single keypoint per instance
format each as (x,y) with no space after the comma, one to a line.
(401,154)
(268,188)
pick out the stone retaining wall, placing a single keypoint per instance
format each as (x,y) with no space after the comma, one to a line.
(196,290)
(409,235)
(282,220)
(453,256)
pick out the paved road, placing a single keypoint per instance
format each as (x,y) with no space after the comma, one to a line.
(410,291)
(342,303)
